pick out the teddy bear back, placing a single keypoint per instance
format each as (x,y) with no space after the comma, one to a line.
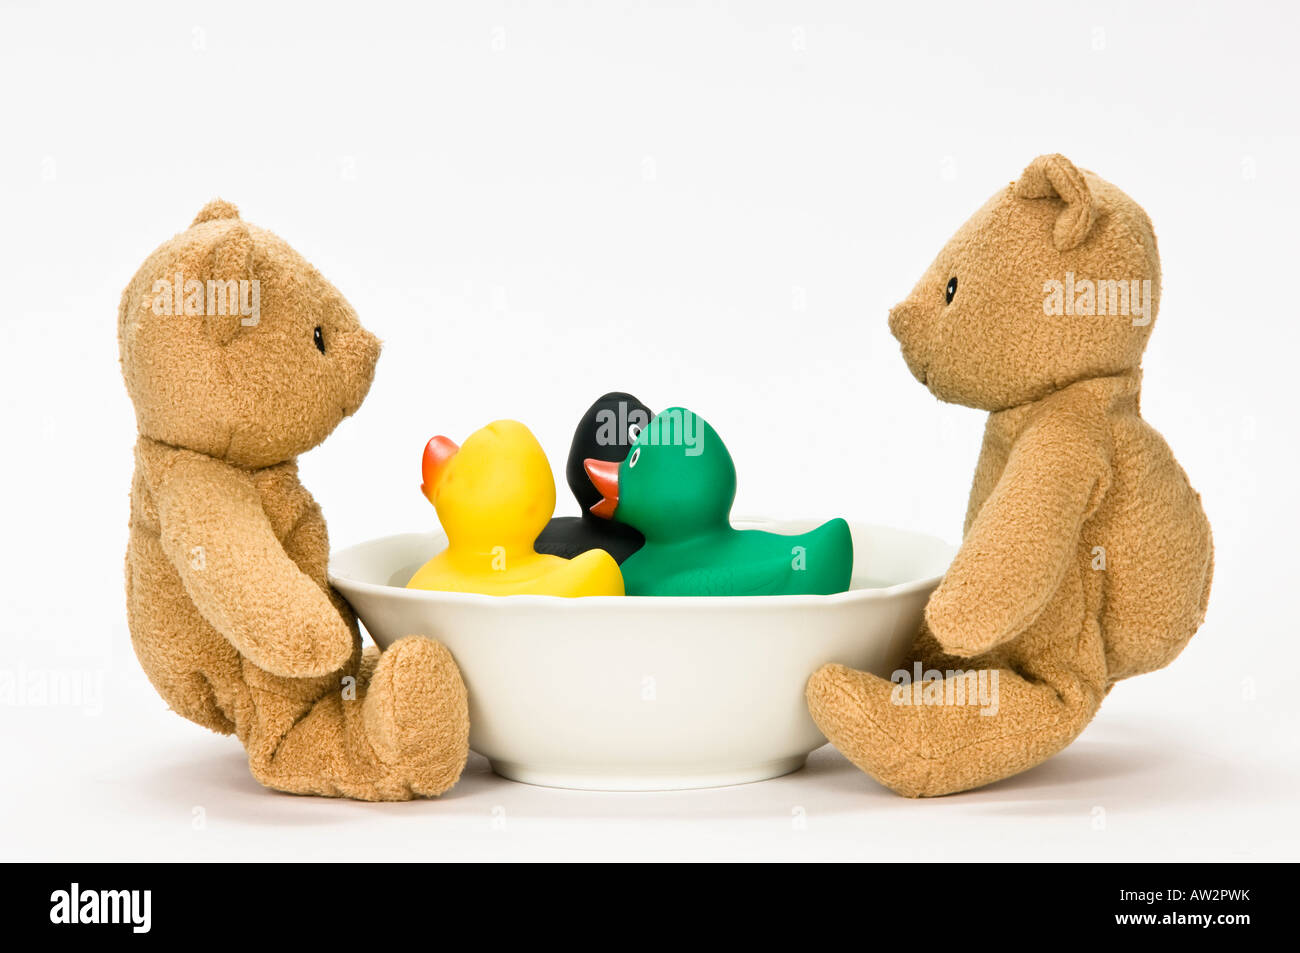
(1055,279)
(233,345)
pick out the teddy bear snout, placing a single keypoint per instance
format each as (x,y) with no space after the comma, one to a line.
(371,346)
(363,355)
(905,326)
(902,319)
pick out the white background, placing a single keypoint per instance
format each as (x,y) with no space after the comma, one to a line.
(708,205)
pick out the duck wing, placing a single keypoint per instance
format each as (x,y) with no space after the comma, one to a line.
(766,577)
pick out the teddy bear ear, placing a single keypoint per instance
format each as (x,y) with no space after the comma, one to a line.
(1055,177)
(231,260)
(215,210)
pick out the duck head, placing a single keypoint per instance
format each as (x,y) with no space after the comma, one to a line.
(606,432)
(678,481)
(496,490)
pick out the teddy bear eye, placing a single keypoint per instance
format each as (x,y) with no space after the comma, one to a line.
(952,290)
(319,339)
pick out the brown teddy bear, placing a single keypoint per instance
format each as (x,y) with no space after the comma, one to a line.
(1086,557)
(239,356)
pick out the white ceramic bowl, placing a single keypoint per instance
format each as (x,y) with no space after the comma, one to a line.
(642,693)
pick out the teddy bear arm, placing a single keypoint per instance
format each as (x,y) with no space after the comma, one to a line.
(308,546)
(216,534)
(1020,543)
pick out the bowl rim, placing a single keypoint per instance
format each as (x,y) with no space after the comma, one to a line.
(547,603)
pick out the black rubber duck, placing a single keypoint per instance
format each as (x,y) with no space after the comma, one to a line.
(606,432)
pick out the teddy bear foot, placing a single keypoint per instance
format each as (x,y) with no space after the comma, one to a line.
(853,710)
(416,716)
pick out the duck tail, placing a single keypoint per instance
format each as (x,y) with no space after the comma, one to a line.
(830,557)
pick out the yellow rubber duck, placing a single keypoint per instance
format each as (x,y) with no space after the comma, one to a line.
(494,496)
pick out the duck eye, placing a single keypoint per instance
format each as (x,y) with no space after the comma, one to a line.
(636,455)
(952,290)
(319,339)
(633,431)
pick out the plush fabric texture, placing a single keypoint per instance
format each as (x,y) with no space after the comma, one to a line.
(1086,556)
(231,613)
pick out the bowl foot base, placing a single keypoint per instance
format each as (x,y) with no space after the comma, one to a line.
(632,780)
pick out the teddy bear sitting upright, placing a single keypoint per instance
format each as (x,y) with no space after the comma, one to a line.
(239,356)
(1086,556)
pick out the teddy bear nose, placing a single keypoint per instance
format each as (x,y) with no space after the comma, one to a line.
(371,346)
(901,317)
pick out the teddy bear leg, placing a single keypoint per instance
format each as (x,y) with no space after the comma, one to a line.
(921,741)
(401,730)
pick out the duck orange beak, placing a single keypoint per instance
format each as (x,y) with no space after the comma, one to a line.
(604,477)
(437,454)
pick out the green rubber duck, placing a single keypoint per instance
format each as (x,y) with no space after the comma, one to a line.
(676,486)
